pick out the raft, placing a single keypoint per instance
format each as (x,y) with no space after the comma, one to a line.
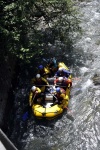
(62,65)
(50,111)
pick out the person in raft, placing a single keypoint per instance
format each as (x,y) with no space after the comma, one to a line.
(44,71)
(62,73)
(63,82)
(35,93)
(52,65)
(59,96)
(40,82)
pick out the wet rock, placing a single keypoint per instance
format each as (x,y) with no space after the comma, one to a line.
(7,71)
(96,79)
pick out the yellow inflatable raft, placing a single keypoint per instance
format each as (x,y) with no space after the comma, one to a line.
(49,111)
(62,65)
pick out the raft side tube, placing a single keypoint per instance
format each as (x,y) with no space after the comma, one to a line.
(61,64)
(40,111)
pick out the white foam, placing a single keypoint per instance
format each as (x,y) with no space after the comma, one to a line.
(87,84)
(83,70)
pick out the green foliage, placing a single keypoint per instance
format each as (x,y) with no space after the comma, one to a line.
(27,27)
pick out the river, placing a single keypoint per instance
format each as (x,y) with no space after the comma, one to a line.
(63,134)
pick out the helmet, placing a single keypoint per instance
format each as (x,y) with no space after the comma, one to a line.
(38,76)
(41,67)
(60,69)
(60,79)
(58,89)
(33,88)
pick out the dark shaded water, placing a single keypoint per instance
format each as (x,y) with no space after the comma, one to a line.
(62,133)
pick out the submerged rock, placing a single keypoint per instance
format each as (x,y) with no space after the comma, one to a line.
(96,79)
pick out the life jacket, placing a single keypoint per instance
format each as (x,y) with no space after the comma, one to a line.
(62,91)
(56,81)
(69,81)
(40,82)
(41,72)
(66,82)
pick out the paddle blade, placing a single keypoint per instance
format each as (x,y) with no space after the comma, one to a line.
(70,117)
(25,116)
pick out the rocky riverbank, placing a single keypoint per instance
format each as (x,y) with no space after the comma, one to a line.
(7,73)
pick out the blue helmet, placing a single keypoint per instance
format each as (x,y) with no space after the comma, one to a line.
(58,89)
(41,67)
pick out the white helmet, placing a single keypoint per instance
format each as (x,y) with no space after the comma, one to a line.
(33,88)
(60,69)
(60,79)
(38,76)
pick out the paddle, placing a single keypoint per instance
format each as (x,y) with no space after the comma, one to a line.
(26,114)
(69,116)
(45,60)
(33,100)
(50,85)
(43,85)
(76,78)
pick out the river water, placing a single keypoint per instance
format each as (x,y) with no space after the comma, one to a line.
(64,134)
